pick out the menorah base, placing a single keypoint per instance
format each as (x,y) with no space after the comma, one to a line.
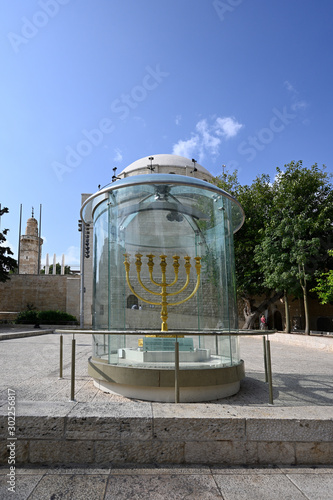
(157,384)
(166,357)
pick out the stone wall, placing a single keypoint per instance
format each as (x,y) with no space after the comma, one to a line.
(44,292)
(73,433)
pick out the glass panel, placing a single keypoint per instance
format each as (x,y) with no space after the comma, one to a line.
(179,273)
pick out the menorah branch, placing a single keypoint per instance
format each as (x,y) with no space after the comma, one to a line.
(163,284)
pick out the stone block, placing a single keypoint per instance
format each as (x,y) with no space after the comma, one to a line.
(217,452)
(40,427)
(153,451)
(276,453)
(289,429)
(110,452)
(21,451)
(61,452)
(199,429)
(111,429)
(115,422)
(314,453)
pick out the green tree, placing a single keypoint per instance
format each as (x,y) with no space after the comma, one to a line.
(256,201)
(296,237)
(7,263)
(324,288)
(274,261)
(58,269)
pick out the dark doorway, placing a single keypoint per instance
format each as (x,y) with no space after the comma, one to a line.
(324,324)
(278,321)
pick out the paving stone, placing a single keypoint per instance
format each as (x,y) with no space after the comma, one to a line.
(258,487)
(317,486)
(158,469)
(159,487)
(77,486)
(24,485)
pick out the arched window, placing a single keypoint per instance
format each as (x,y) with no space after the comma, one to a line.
(132,301)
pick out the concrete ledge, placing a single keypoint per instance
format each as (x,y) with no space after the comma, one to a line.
(115,433)
(316,342)
(28,333)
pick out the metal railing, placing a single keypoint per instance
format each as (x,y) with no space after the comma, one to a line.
(231,333)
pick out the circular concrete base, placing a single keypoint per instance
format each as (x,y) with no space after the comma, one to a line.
(157,384)
(167,394)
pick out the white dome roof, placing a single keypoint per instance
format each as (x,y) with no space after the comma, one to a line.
(165,160)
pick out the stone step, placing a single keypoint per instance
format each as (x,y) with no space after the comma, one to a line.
(71,433)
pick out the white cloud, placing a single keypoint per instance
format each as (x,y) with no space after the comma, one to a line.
(118,156)
(227,127)
(72,256)
(186,148)
(207,138)
(289,86)
(8,244)
(209,141)
(140,121)
(297,103)
(178,119)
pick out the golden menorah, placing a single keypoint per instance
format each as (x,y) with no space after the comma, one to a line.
(163,285)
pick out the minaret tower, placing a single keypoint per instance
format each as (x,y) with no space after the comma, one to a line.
(29,248)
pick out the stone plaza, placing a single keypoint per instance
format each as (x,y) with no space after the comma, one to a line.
(114,447)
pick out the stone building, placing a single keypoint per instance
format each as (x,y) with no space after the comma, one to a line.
(30,249)
(29,288)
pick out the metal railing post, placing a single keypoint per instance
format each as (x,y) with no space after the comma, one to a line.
(61,356)
(269,366)
(73,370)
(265,358)
(176,371)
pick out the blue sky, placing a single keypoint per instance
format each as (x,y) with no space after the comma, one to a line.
(89,85)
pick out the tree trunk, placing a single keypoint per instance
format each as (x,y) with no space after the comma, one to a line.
(306,311)
(249,321)
(287,315)
(248,314)
(305,300)
(251,316)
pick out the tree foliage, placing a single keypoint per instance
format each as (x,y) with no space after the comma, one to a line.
(283,243)
(58,269)
(295,238)
(324,288)
(256,201)
(7,263)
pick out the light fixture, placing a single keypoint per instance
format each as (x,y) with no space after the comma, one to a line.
(194,167)
(151,168)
